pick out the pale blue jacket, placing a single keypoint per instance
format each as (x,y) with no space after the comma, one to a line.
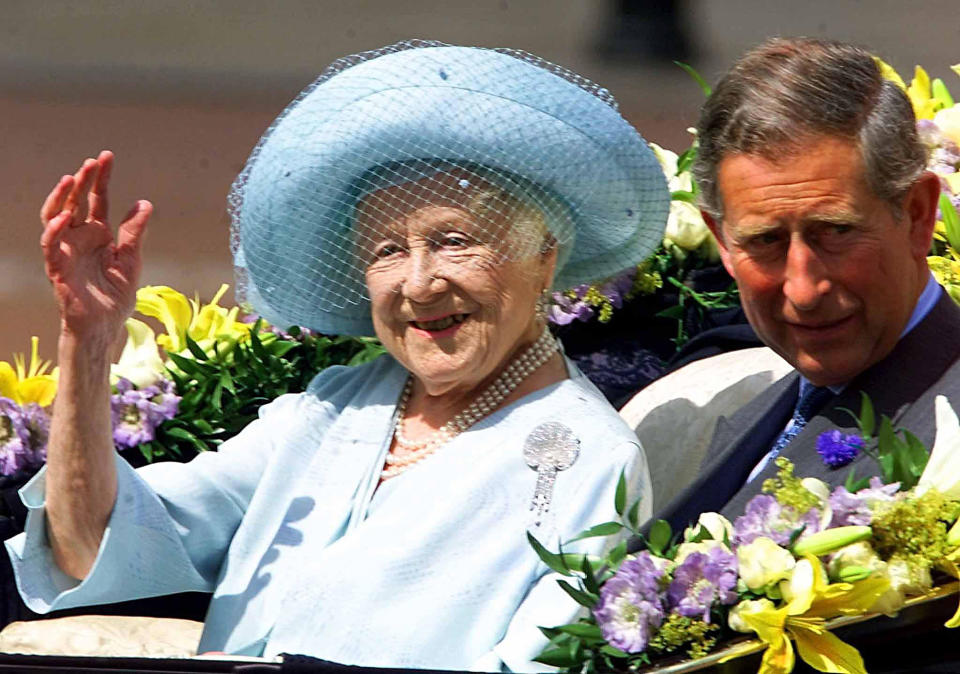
(304,554)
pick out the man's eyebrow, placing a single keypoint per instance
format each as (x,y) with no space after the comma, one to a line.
(747,229)
(840,217)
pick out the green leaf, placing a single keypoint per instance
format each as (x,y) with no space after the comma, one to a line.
(617,554)
(583,598)
(195,349)
(556,657)
(582,630)
(552,560)
(226,381)
(854,484)
(589,578)
(572,560)
(941,93)
(187,436)
(186,365)
(867,415)
(702,83)
(701,534)
(633,515)
(257,345)
(951,220)
(620,498)
(659,537)
(217,396)
(147,450)
(686,159)
(613,651)
(918,453)
(202,425)
(676,311)
(683,195)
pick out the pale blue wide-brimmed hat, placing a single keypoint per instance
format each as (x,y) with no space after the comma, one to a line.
(418,108)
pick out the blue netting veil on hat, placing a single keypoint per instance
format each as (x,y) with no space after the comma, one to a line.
(528,151)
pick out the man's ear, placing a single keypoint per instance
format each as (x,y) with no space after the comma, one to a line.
(920,210)
(716,229)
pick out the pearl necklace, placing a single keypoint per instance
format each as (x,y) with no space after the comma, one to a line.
(512,376)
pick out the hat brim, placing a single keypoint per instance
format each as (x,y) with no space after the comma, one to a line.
(456,104)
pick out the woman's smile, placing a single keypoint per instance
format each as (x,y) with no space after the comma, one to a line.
(440,326)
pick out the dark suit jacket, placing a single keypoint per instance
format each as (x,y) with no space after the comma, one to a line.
(903,386)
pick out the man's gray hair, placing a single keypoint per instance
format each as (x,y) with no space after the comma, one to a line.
(786,91)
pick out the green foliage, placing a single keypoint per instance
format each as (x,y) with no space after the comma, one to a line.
(899,453)
(221,392)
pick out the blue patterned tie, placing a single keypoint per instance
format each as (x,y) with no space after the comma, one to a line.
(808,405)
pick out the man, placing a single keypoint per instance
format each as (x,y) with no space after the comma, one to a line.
(813,182)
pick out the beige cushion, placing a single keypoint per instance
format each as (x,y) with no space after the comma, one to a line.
(89,635)
(675,416)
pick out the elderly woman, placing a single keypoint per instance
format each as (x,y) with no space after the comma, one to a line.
(430,195)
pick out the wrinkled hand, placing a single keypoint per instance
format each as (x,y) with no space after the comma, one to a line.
(94,276)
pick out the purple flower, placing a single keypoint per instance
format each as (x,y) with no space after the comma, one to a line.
(137,413)
(565,310)
(630,605)
(14,438)
(857,509)
(838,449)
(701,581)
(38,431)
(764,516)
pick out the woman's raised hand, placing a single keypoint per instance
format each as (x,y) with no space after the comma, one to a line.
(94,275)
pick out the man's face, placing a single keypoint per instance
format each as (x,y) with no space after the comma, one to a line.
(828,276)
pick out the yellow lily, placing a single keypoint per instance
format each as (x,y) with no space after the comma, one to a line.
(888,73)
(32,384)
(810,600)
(206,324)
(921,95)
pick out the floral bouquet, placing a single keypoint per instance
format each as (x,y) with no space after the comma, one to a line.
(178,393)
(800,557)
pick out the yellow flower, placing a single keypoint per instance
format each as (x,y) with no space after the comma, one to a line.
(921,96)
(206,324)
(810,600)
(31,384)
(888,73)
(140,361)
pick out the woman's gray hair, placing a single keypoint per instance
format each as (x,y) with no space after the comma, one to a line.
(787,91)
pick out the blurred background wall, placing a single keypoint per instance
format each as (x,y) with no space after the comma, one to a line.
(181,91)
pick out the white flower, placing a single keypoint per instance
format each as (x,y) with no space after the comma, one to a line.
(140,360)
(717,526)
(821,490)
(763,563)
(905,579)
(685,226)
(737,623)
(684,550)
(668,161)
(948,121)
(943,467)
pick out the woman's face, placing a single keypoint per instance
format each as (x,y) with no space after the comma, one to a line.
(453,294)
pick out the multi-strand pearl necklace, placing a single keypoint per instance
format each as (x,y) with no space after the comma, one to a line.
(512,376)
